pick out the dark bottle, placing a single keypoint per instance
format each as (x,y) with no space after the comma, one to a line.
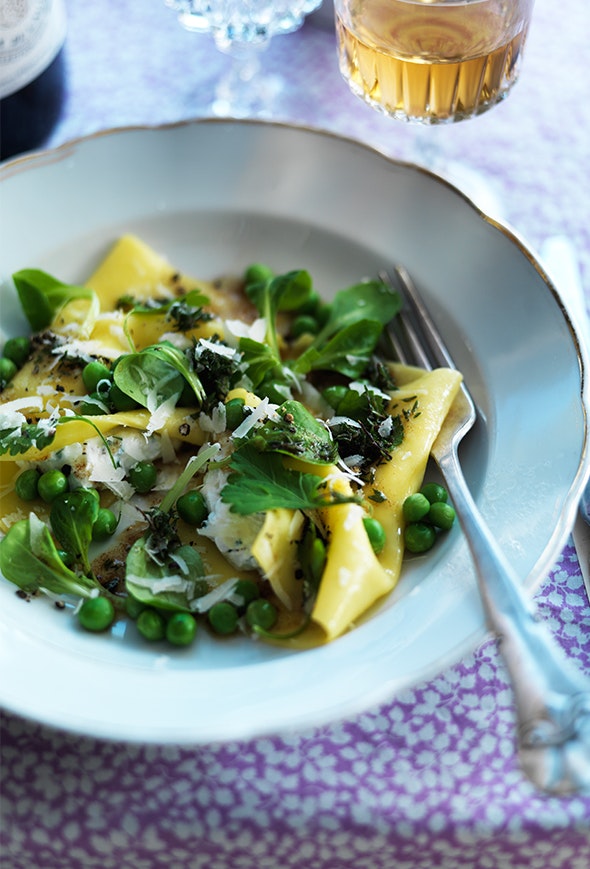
(32,35)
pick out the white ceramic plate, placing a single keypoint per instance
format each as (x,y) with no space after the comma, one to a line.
(214,196)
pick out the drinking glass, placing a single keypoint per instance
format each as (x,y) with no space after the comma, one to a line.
(431,61)
(243,29)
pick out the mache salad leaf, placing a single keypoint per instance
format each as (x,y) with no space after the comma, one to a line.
(347,340)
(156,376)
(42,296)
(72,517)
(29,558)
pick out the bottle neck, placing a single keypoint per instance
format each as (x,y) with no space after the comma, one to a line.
(31,36)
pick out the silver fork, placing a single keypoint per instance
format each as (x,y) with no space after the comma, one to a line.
(552,698)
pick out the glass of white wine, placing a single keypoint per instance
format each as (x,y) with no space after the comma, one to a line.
(431,61)
(242,29)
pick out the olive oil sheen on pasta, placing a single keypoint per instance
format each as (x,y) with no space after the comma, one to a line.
(415,61)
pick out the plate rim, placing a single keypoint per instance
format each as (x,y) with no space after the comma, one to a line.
(558,537)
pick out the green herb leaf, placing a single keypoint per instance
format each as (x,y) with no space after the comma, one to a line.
(298,433)
(260,482)
(270,378)
(171,585)
(281,293)
(157,375)
(194,464)
(218,366)
(15,441)
(159,571)
(284,293)
(42,296)
(72,516)
(30,560)
(370,300)
(363,426)
(19,439)
(348,352)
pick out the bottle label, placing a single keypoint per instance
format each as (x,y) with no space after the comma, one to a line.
(31,34)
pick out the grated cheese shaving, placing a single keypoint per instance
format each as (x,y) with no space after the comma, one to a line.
(265,410)
(222,592)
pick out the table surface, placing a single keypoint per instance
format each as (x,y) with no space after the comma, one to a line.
(430,778)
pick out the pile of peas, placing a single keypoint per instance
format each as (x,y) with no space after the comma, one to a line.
(180,628)
(98,613)
(427,512)
(15,354)
(31,485)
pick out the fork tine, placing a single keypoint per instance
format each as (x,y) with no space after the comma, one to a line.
(421,316)
(417,348)
(397,336)
(420,335)
(402,334)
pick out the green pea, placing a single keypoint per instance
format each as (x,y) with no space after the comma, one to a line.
(234,412)
(442,515)
(181,629)
(7,371)
(96,614)
(151,625)
(17,350)
(311,304)
(223,617)
(434,492)
(26,485)
(335,394)
(322,313)
(133,607)
(304,325)
(247,590)
(415,507)
(261,613)
(93,373)
(120,400)
(105,524)
(192,508)
(419,537)
(143,477)
(258,273)
(52,484)
(375,533)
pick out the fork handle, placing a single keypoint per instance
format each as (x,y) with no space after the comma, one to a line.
(552,699)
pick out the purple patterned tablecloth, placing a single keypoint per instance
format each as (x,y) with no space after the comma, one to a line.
(429,779)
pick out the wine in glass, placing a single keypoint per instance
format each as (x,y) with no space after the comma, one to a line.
(434,62)
(243,29)
(431,61)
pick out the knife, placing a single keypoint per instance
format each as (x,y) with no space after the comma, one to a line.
(559,257)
